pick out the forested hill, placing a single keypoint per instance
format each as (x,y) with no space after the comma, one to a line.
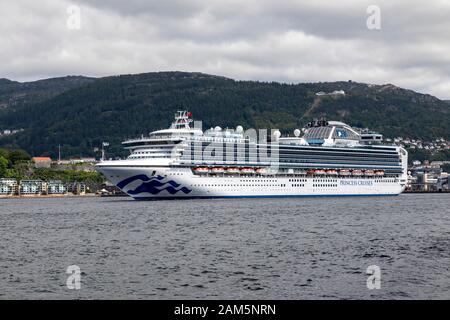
(15,94)
(79,113)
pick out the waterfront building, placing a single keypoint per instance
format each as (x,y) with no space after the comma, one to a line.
(427,178)
(31,187)
(78,188)
(8,187)
(56,187)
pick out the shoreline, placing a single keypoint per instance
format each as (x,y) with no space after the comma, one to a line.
(418,191)
(92,195)
(34,196)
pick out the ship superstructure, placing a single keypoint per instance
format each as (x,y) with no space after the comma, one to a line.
(329,159)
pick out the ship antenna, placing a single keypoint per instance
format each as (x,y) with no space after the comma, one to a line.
(182,120)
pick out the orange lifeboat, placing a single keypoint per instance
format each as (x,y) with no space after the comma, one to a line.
(369,173)
(232,171)
(379,173)
(332,172)
(344,172)
(319,172)
(217,170)
(261,171)
(201,170)
(310,172)
(357,172)
(247,171)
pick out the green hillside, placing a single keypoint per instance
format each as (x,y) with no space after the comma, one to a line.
(15,94)
(114,108)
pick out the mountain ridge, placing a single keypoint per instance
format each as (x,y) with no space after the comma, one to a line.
(80,113)
(15,93)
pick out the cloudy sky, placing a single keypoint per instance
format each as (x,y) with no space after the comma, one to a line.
(269,40)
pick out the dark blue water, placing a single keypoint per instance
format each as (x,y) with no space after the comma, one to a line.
(226,249)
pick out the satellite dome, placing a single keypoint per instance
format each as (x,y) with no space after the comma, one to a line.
(296,132)
(217,129)
(276,135)
(239,129)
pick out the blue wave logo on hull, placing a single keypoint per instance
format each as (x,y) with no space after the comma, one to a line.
(153,185)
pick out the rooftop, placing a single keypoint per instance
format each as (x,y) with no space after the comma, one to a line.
(41,159)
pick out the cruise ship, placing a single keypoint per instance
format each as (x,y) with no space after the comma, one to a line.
(327,158)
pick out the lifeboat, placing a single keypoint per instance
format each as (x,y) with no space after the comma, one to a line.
(201,170)
(310,172)
(247,171)
(217,170)
(261,171)
(232,171)
(344,172)
(332,172)
(357,172)
(369,173)
(319,172)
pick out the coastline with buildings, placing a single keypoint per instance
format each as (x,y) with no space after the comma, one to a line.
(428,177)
(25,176)
(41,176)
(11,188)
(14,188)
(57,178)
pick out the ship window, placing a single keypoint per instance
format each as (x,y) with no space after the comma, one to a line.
(318,133)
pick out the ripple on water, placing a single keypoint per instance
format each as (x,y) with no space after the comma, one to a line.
(251,248)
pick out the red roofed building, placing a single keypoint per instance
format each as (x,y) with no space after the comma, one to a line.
(42,162)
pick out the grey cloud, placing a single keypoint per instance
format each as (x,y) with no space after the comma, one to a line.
(170,8)
(291,41)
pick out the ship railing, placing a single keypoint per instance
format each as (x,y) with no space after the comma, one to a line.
(165,137)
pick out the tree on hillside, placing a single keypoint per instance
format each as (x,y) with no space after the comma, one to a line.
(4,153)
(3,166)
(18,155)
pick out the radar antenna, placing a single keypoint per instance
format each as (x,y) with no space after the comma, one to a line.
(182,120)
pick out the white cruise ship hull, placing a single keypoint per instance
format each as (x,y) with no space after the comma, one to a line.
(147,183)
(183,162)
